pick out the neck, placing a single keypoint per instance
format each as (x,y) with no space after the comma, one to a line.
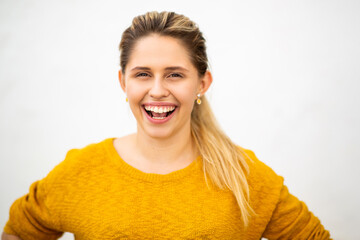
(176,149)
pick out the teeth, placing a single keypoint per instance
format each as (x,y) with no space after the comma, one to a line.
(159,109)
(158,117)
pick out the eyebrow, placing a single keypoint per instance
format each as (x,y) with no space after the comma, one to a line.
(167,69)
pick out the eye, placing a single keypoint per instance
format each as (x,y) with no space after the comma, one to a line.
(175,75)
(142,74)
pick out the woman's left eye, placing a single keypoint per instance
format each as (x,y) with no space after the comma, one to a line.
(175,75)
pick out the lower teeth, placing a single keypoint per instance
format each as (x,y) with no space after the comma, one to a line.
(158,117)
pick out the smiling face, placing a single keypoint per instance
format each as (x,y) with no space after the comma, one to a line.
(162,84)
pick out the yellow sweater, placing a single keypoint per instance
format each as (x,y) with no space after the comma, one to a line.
(94,194)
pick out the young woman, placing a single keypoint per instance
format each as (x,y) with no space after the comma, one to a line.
(179,176)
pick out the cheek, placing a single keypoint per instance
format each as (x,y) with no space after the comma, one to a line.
(186,97)
(191,92)
(135,94)
(134,91)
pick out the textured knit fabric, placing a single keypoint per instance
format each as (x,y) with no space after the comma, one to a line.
(94,194)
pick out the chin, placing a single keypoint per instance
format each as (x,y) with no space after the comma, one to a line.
(158,133)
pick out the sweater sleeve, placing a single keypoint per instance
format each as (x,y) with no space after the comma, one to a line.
(291,219)
(284,215)
(36,215)
(30,217)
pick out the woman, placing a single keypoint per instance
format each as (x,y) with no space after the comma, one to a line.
(179,176)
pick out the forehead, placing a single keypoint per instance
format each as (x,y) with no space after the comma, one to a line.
(156,51)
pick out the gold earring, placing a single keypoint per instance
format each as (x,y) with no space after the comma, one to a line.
(126,99)
(198,100)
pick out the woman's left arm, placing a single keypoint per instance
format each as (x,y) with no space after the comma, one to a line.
(291,219)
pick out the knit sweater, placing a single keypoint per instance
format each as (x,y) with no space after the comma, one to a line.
(94,194)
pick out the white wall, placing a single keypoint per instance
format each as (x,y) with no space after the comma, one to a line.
(286,86)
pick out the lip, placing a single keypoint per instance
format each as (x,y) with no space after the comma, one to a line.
(159,121)
(159,104)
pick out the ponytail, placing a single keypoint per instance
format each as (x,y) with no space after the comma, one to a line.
(223,161)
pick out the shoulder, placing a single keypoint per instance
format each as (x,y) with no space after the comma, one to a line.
(264,184)
(89,154)
(92,150)
(259,172)
(79,161)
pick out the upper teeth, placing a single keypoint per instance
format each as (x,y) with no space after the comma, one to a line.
(159,109)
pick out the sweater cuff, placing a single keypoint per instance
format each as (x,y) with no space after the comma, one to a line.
(9,230)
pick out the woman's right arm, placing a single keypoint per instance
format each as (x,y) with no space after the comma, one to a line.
(6,236)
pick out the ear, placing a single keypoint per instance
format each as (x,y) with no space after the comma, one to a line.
(205,83)
(122,81)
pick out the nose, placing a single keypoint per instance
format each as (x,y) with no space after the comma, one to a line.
(158,89)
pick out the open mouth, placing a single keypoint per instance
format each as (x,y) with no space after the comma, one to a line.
(159,112)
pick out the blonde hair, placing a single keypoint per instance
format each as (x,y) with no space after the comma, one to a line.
(223,161)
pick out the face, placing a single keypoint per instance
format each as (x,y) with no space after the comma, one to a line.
(162,84)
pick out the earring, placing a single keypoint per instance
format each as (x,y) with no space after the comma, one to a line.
(198,100)
(126,99)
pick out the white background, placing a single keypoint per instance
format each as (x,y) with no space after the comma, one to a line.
(286,85)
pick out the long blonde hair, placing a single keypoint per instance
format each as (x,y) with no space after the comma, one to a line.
(223,161)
